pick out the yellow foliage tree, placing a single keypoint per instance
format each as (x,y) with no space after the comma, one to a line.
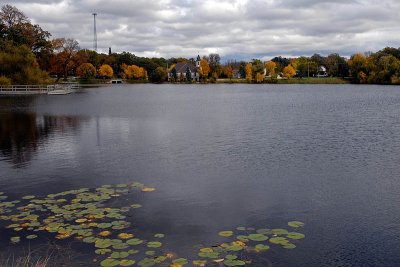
(204,68)
(106,71)
(271,67)
(259,77)
(249,72)
(134,72)
(289,71)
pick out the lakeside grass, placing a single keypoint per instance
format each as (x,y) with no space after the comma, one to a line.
(330,80)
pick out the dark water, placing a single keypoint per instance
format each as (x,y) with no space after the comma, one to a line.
(223,156)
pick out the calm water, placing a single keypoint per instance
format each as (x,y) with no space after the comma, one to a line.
(223,156)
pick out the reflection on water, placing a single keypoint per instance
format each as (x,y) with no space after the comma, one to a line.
(22,133)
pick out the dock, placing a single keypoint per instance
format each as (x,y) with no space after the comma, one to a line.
(39,89)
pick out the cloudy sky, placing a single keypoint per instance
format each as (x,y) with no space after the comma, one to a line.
(241,29)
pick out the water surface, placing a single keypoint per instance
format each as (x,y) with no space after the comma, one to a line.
(223,156)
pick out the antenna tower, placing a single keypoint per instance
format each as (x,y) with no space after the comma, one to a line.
(94,32)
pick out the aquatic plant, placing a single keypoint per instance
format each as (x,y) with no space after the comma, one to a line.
(87,215)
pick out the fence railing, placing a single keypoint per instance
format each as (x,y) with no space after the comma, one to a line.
(35,89)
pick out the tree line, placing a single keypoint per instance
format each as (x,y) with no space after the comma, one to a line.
(28,55)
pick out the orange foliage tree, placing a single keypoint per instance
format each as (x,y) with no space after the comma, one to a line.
(106,71)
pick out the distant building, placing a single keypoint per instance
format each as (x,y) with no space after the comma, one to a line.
(236,74)
(181,69)
(322,72)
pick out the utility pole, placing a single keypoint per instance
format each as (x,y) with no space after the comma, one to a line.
(94,32)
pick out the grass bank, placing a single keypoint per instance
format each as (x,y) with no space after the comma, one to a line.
(332,80)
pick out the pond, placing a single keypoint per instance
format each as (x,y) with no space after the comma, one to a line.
(202,175)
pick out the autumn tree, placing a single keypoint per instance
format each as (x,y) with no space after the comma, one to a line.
(289,71)
(204,69)
(106,71)
(19,64)
(214,60)
(270,67)
(249,72)
(63,59)
(86,70)
(358,67)
(228,72)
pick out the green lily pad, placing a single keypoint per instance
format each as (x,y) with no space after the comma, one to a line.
(133,251)
(295,224)
(102,251)
(257,237)
(264,231)
(154,244)
(243,238)
(28,197)
(126,262)
(181,261)
(279,240)
(31,237)
(109,263)
(119,255)
(294,235)
(150,253)
(241,228)
(261,247)
(279,231)
(146,262)
(231,257)
(234,263)
(225,233)
(136,206)
(134,241)
(210,255)
(289,246)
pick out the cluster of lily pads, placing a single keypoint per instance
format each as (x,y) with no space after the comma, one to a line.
(88,215)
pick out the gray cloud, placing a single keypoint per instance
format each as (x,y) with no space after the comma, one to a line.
(236,28)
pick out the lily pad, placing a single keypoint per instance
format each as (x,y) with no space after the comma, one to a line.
(154,244)
(119,255)
(289,246)
(279,240)
(279,231)
(150,253)
(147,262)
(136,206)
(148,189)
(294,235)
(180,261)
(31,237)
(258,237)
(261,247)
(126,262)
(102,251)
(134,241)
(159,235)
(109,263)
(295,224)
(28,197)
(234,263)
(200,263)
(225,233)
(125,236)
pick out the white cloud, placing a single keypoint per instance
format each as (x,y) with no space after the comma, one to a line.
(238,28)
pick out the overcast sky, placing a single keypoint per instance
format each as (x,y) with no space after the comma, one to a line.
(241,29)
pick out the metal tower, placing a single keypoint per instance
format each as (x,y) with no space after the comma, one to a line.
(94,33)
